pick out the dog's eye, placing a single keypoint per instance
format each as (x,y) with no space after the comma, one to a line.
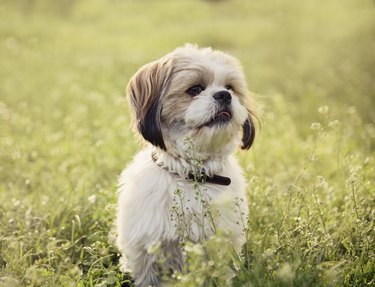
(195,90)
(229,87)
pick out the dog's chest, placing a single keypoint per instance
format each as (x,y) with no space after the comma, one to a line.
(194,208)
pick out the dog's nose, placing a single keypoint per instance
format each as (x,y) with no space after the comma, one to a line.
(223,97)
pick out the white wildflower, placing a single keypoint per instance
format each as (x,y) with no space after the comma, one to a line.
(196,249)
(316,126)
(92,198)
(323,110)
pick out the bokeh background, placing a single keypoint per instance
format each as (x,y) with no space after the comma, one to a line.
(65,131)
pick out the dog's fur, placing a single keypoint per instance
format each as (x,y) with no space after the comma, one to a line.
(194,109)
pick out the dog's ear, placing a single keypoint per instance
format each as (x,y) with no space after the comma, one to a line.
(248,132)
(145,90)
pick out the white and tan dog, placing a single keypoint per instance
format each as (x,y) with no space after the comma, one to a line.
(193,107)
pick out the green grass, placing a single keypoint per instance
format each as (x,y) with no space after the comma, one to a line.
(65,136)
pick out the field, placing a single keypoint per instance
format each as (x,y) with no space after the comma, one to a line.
(65,136)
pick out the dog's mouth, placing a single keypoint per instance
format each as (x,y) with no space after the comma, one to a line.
(221,117)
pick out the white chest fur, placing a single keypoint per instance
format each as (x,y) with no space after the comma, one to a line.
(156,205)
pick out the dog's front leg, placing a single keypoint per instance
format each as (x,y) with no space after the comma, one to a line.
(153,265)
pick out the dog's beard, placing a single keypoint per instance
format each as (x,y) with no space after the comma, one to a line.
(211,128)
(205,112)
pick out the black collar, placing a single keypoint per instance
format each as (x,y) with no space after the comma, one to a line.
(215,179)
(202,177)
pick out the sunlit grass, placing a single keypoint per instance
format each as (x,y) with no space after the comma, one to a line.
(65,136)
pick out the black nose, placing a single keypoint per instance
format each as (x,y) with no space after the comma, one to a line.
(223,97)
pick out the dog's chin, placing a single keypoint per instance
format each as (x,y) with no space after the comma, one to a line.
(210,134)
(218,137)
(215,138)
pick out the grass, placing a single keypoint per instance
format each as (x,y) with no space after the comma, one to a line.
(65,137)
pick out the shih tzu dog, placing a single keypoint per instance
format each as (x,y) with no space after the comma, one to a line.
(194,109)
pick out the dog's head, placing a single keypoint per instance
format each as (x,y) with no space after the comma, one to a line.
(196,93)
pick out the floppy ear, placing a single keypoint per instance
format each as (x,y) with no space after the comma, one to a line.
(248,132)
(145,90)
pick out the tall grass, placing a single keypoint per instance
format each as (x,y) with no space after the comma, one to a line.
(65,137)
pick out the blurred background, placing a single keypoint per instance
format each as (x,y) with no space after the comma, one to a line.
(311,52)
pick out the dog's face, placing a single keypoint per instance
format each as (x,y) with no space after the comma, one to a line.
(195,93)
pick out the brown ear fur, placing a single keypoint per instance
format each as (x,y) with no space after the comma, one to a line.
(248,127)
(145,90)
(248,132)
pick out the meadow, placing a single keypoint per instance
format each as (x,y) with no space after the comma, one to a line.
(65,136)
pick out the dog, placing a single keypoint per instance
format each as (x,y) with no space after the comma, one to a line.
(193,108)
